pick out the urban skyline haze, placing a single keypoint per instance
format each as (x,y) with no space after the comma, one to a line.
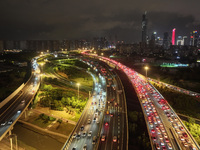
(48,19)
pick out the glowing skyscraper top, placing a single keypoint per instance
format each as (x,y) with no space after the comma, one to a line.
(173,36)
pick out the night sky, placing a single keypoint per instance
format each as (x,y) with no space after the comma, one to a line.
(85,19)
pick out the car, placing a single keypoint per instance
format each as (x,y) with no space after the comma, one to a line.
(175,126)
(169,145)
(157,146)
(114,138)
(181,138)
(157,128)
(74,135)
(19,111)
(178,131)
(23,101)
(78,136)
(154,139)
(165,135)
(158,131)
(106,124)
(163,130)
(151,124)
(179,124)
(103,138)
(4,123)
(89,133)
(188,141)
(170,119)
(185,134)
(160,137)
(185,144)
(162,142)
(175,119)
(168,115)
(166,140)
(181,128)
(107,112)
(94,140)
(85,147)
(84,133)
(161,125)
(10,122)
(82,127)
(152,131)
(94,119)
(89,121)
(164,148)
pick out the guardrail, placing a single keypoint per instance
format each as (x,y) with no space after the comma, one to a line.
(11,126)
(69,140)
(6,100)
(125,111)
(178,119)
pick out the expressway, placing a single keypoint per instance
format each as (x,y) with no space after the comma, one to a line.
(11,112)
(85,134)
(114,130)
(166,130)
(103,124)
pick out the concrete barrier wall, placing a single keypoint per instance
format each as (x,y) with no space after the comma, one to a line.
(11,96)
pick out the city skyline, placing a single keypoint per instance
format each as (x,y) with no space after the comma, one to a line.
(47,20)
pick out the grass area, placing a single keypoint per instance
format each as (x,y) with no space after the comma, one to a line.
(25,146)
(83,81)
(63,128)
(36,120)
(75,117)
(37,139)
(194,130)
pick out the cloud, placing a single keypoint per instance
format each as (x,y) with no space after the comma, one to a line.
(77,19)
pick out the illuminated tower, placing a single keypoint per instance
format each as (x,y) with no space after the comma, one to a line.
(144,28)
(173,36)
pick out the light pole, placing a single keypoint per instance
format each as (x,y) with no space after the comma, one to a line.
(78,84)
(146,68)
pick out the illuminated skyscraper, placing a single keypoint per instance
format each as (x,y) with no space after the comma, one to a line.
(194,39)
(144,28)
(173,36)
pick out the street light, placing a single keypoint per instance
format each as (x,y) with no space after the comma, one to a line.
(146,68)
(78,84)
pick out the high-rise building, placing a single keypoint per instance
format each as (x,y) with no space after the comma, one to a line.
(194,38)
(185,40)
(180,41)
(144,28)
(173,36)
(166,41)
